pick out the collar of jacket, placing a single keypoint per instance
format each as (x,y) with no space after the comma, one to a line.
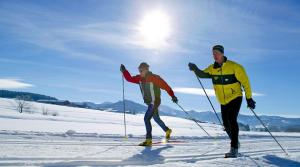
(217,65)
(146,76)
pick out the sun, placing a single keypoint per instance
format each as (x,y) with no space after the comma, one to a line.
(155,29)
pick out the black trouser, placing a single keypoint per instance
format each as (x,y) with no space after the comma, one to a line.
(230,113)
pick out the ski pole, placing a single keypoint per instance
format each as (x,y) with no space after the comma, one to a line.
(193,120)
(124,106)
(209,100)
(269,131)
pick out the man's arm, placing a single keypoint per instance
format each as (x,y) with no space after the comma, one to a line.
(202,74)
(198,72)
(242,77)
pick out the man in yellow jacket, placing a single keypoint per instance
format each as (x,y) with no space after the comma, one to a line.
(228,78)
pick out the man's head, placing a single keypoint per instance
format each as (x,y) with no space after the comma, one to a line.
(218,53)
(143,69)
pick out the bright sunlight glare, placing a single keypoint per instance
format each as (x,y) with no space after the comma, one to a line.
(155,29)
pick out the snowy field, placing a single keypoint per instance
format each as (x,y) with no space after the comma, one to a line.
(83,137)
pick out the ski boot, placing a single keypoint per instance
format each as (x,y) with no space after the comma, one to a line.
(168,134)
(233,153)
(147,142)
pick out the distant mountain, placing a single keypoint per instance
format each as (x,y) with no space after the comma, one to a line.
(274,123)
(131,106)
(31,96)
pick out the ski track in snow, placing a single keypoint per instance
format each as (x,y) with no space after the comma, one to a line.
(82,137)
(47,149)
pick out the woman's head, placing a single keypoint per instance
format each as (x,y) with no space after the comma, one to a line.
(143,69)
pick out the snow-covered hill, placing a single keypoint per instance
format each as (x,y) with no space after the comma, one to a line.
(247,122)
(275,123)
(65,136)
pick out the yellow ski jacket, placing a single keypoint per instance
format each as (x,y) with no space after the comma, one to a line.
(228,80)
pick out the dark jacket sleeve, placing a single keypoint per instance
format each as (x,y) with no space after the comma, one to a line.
(204,73)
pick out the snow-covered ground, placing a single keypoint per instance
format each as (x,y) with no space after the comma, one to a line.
(83,137)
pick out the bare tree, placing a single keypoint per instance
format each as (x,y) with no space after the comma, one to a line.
(22,103)
(45,110)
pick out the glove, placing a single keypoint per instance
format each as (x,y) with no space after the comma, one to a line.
(193,67)
(251,103)
(174,99)
(122,68)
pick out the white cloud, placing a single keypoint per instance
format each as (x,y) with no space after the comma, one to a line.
(198,91)
(194,91)
(80,39)
(257,94)
(85,88)
(13,84)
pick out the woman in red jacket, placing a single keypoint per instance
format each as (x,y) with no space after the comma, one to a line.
(150,85)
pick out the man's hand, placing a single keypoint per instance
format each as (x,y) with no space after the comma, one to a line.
(251,103)
(122,68)
(193,67)
(174,99)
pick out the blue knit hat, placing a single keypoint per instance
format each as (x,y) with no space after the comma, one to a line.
(219,48)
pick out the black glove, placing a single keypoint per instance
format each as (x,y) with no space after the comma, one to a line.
(174,99)
(251,103)
(193,67)
(122,68)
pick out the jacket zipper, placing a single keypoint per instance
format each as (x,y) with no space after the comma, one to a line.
(222,78)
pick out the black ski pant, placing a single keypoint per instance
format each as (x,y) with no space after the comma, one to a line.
(230,113)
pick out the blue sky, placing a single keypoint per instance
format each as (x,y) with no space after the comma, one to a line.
(72,49)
